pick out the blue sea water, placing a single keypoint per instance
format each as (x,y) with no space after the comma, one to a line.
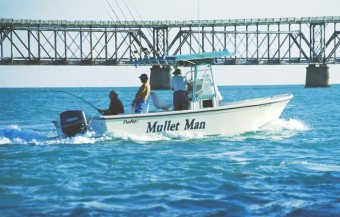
(290,167)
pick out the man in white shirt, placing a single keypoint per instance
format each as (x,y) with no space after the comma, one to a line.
(178,84)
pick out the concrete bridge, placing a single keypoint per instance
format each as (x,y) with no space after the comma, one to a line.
(312,41)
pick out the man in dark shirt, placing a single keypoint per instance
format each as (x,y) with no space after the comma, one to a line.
(116,106)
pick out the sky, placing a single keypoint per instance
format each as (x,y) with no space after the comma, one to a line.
(111,76)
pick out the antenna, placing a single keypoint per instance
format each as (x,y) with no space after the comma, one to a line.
(199,22)
(198,9)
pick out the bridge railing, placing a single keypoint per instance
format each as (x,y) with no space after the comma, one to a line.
(162,23)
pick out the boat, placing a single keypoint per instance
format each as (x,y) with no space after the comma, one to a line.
(206,114)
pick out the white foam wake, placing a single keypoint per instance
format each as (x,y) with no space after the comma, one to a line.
(282,124)
(275,130)
(281,128)
(167,136)
(313,165)
(13,134)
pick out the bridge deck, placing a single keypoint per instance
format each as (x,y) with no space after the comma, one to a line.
(168,23)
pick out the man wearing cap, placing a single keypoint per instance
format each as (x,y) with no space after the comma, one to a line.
(178,84)
(142,94)
(116,106)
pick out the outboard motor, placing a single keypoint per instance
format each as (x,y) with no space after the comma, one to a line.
(73,122)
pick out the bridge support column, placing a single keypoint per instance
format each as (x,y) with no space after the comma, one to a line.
(317,76)
(160,77)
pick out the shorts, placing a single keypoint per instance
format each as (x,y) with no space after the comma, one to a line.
(141,105)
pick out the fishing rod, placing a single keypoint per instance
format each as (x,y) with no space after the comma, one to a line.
(60,91)
(127,31)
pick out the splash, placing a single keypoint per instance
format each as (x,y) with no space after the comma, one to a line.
(4,141)
(166,136)
(275,130)
(282,125)
(13,134)
(79,139)
(313,166)
(282,129)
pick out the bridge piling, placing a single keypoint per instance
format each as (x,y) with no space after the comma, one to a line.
(317,76)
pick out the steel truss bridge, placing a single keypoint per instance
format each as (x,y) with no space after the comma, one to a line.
(307,40)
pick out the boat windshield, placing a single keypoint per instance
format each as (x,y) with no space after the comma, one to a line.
(201,82)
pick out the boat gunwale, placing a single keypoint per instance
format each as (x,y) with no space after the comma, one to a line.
(273,99)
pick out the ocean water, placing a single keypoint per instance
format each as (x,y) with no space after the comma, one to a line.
(290,167)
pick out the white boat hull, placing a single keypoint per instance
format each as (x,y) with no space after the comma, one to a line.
(230,119)
(204,118)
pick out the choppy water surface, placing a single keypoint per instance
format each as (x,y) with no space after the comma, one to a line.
(289,168)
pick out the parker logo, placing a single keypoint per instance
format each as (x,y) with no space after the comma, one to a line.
(130,121)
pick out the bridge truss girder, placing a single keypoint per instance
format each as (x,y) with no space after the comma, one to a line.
(252,44)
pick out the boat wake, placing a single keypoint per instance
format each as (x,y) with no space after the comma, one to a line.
(284,125)
(13,134)
(282,129)
(325,167)
(276,130)
(166,136)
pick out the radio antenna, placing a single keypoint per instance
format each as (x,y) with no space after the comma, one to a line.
(199,22)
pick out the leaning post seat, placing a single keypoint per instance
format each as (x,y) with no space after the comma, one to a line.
(158,104)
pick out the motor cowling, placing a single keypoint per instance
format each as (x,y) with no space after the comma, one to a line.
(73,122)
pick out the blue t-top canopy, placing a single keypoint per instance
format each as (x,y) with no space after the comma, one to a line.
(173,60)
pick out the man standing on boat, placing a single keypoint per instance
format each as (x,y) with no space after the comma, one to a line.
(142,94)
(116,106)
(178,84)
